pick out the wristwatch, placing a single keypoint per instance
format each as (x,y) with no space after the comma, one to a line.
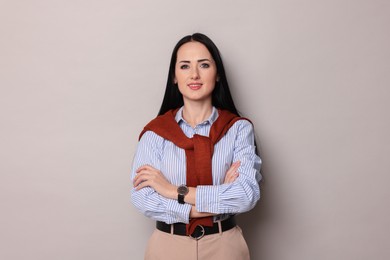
(182,191)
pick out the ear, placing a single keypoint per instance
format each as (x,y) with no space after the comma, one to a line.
(174,80)
(217,78)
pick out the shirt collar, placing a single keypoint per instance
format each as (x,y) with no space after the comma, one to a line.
(210,120)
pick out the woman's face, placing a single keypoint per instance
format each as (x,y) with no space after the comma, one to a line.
(195,72)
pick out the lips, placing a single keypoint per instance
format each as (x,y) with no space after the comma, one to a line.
(195,86)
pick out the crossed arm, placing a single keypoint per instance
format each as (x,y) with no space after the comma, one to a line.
(156,196)
(147,176)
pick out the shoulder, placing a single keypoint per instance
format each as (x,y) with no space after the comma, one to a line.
(150,138)
(243,124)
(241,130)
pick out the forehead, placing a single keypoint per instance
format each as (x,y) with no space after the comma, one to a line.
(193,51)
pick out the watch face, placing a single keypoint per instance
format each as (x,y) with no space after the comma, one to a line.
(183,190)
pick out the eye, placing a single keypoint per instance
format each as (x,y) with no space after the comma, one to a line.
(184,66)
(205,65)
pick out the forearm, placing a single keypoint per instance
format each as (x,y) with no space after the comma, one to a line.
(161,212)
(196,214)
(237,197)
(190,198)
(171,193)
(157,207)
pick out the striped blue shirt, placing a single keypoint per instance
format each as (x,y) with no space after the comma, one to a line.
(222,199)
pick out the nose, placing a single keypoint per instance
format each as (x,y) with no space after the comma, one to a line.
(195,73)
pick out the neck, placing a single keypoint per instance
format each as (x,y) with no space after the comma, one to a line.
(195,114)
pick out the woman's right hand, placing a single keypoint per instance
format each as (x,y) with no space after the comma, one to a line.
(232,173)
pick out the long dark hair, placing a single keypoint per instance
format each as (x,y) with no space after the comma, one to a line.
(221,96)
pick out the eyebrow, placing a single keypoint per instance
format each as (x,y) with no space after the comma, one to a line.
(187,61)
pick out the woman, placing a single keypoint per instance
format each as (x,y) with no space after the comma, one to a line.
(196,164)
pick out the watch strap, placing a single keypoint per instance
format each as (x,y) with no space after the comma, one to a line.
(180,198)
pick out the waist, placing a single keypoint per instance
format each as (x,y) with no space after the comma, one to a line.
(200,231)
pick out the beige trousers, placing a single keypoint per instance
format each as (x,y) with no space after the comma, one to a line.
(229,245)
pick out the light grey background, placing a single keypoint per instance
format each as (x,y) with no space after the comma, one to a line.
(79,79)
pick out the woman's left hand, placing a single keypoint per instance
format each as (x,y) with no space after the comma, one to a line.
(147,176)
(232,173)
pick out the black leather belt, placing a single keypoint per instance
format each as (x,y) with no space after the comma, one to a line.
(200,231)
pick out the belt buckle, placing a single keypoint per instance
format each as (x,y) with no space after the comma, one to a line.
(201,235)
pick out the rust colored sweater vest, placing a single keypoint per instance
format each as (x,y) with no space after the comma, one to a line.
(198,149)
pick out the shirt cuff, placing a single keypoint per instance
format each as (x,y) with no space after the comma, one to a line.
(207,198)
(177,212)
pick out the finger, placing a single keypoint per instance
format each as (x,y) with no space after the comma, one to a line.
(142,171)
(229,177)
(145,171)
(142,185)
(235,165)
(232,176)
(135,178)
(139,175)
(231,172)
(140,178)
(146,167)
(137,182)
(232,169)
